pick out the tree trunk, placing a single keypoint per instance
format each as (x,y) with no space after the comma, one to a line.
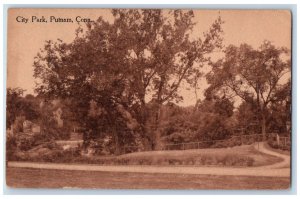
(157,133)
(158,105)
(147,138)
(262,108)
(263,127)
(116,139)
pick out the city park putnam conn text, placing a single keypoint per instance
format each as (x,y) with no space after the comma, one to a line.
(51,19)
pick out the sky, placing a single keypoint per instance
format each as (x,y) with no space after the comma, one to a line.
(24,40)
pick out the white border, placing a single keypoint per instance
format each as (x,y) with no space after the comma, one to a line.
(157,2)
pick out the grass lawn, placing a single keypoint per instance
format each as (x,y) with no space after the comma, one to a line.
(37,178)
(214,155)
(238,156)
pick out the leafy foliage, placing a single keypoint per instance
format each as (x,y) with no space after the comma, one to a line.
(18,106)
(252,75)
(116,65)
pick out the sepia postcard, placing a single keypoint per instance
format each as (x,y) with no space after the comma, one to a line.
(171,99)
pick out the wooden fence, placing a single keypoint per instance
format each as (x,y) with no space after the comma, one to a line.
(282,142)
(242,139)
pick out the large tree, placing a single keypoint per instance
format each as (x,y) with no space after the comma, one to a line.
(162,56)
(254,75)
(117,65)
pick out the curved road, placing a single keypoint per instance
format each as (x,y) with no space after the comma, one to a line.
(285,163)
(281,169)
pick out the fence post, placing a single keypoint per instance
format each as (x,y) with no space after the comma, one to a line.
(242,139)
(284,141)
(277,139)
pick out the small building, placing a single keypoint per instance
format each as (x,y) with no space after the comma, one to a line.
(27,126)
(35,128)
(30,127)
(57,115)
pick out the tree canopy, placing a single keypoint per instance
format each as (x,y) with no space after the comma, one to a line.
(116,65)
(254,75)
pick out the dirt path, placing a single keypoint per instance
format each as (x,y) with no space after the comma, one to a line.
(261,146)
(275,170)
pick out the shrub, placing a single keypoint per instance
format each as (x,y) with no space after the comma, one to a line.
(273,143)
(286,148)
(172,161)
(11,147)
(249,161)
(219,145)
(25,143)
